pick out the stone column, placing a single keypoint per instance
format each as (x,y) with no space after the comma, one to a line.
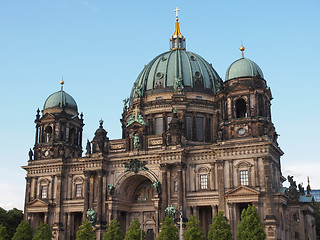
(99,196)
(37,134)
(87,176)
(212,182)
(69,226)
(214,210)
(180,186)
(221,184)
(164,194)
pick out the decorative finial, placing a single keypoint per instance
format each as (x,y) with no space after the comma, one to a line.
(62,82)
(242,48)
(177,10)
(308,180)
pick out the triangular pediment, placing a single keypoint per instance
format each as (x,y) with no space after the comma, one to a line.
(38,203)
(238,86)
(242,191)
(47,116)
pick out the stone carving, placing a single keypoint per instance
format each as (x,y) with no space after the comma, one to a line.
(135,166)
(157,186)
(170,211)
(137,91)
(111,189)
(91,215)
(30,155)
(136,141)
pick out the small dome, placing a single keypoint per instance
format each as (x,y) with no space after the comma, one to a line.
(160,75)
(243,67)
(60,99)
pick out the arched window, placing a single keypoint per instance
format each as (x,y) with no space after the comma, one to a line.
(159,125)
(48,134)
(144,192)
(244,173)
(78,187)
(241,108)
(44,188)
(203,178)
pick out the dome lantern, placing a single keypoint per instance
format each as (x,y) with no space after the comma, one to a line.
(177,40)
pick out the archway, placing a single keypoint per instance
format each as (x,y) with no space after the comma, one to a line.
(136,198)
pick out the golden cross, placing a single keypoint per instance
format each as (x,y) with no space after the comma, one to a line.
(136,112)
(176,10)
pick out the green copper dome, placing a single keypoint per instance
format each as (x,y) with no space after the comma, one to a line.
(164,71)
(60,99)
(243,67)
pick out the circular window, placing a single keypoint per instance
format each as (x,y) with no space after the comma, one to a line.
(192,58)
(197,74)
(159,75)
(241,131)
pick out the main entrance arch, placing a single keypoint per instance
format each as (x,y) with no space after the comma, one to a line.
(136,198)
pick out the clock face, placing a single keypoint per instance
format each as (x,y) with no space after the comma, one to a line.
(241,131)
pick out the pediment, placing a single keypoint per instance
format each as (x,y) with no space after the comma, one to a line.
(38,203)
(238,86)
(47,116)
(242,191)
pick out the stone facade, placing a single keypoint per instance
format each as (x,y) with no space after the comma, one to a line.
(199,151)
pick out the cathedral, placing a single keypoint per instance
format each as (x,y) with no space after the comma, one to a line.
(190,141)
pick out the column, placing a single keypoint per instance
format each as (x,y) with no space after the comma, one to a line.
(212,182)
(214,210)
(99,195)
(37,134)
(221,185)
(87,176)
(180,185)
(164,195)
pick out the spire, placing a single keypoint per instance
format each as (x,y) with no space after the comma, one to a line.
(242,48)
(177,40)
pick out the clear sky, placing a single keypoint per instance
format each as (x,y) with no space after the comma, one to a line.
(100,47)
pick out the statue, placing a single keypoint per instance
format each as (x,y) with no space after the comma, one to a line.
(136,141)
(137,91)
(170,211)
(308,188)
(292,183)
(178,85)
(111,189)
(125,102)
(301,189)
(135,166)
(157,187)
(91,215)
(88,147)
(30,155)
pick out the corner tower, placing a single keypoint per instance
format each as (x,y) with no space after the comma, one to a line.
(59,129)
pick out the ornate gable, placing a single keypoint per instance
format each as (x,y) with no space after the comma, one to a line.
(38,205)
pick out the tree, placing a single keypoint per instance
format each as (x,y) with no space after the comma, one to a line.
(85,231)
(193,230)
(3,233)
(14,217)
(250,226)
(113,231)
(10,219)
(219,229)
(168,230)
(43,232)
(134,232)
(23,232)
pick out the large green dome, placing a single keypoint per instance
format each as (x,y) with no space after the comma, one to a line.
(60,99)
(243,67)
(162,72)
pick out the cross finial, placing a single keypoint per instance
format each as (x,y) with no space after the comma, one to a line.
(136,110)
(177,10)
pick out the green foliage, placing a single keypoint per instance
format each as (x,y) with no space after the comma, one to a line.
(86,232)
(219,229)
(3,233)
(10,219)
(317,218)
(113,231)
(193,230)
(134,231)
(168,230)
(23,232)
(250,226)
(43,232)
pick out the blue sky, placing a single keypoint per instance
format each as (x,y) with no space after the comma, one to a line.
(100,47)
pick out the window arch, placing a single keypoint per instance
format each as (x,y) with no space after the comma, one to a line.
(78,187)
(203,178)
(241,108)
(48,134)
(244,173)
(44,189)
